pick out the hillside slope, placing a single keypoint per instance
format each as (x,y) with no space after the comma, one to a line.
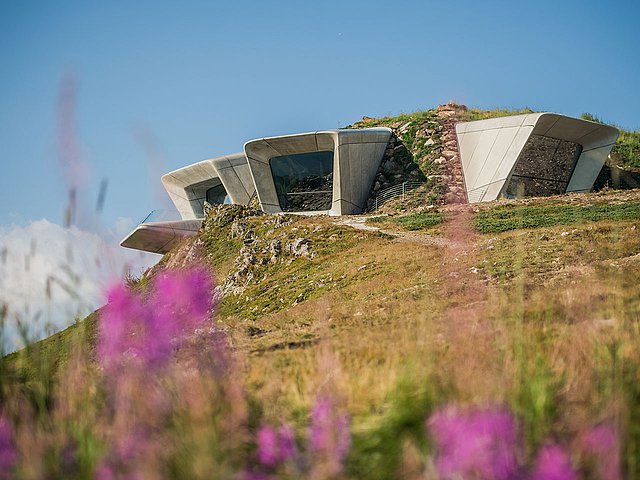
(531,305)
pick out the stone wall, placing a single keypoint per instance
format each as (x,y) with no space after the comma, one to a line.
(423,148)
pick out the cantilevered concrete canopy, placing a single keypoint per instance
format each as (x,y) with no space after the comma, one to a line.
(160,237)
(217,180)
(318,172)
(532,155)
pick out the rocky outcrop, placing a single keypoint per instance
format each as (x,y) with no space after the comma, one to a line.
(397,166)
(422,148)
(259,248)
(448,116)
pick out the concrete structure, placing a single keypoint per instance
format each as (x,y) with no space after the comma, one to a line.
(319,172)
(223,179)
(534,154)
(332,171)
(158,234)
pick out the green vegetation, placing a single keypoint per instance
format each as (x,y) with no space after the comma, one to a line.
(529,306)
(626,152)
(403,329)
(413,221)
(413,129)
(514,217)
(473,114)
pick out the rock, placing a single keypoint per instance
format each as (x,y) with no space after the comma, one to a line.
(249,237)
(404,127)
(429,142)
(275,247)
(238,228)
(300,247)
(246,257)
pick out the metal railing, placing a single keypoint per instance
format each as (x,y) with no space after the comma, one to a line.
(400,190)
(161,216)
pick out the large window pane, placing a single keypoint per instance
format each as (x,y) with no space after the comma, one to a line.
(216,195)
(304,181)
(544,167)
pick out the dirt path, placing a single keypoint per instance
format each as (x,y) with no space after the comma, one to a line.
(403,236)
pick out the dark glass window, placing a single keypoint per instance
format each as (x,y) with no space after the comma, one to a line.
(544,167)
(216,195)
(304,181)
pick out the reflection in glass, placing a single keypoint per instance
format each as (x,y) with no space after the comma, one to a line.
(304,181)
(543,168)
(216,195)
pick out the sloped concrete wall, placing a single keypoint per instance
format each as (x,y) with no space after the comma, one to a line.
(357,155)
(187,186)
(491,148)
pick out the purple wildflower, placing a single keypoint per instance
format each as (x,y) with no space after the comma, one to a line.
(275,446)
(104,472)
(8,453)
(123,313)
(329,436)
(553,463)
(268,448)
(184,295)
(602,443)
(478,443)
(124,457)
(180,302)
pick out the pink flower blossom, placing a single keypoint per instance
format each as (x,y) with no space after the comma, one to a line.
(329,435)
(602,444)
(553,464)
(480,444)
(148,330)
(275,446)
(8,453)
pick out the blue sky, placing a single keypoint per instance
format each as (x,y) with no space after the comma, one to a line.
(165,84)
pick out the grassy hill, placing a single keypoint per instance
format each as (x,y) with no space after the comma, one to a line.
(530,307)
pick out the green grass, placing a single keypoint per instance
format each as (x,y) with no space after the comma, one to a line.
(515,217)
(399,333)
(412,222)
(413,140)
(626,151)
(473,114)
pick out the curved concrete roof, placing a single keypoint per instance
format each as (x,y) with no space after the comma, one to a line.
(187,186)
(357,154)
(490,149)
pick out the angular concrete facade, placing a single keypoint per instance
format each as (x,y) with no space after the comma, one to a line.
(188,186)
(356,156)
(531,155)
(160,237)
(332,171)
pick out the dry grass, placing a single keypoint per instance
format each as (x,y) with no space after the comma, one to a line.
(523,318)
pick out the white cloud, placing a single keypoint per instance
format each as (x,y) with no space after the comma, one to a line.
(50,276)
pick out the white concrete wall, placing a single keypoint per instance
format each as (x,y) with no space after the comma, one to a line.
(187,186)
(357,154)
(489,149)
(160,237)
